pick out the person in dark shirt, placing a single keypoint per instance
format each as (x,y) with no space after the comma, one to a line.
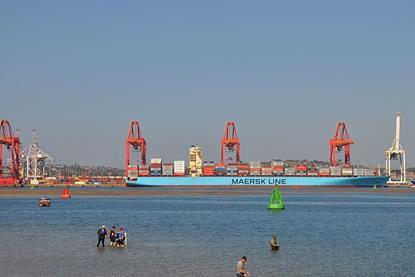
(102,233)
(112,236)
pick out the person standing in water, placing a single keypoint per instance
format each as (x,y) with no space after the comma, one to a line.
(240,267)
(120,237)
(274,243)
(102,233)
(112,236)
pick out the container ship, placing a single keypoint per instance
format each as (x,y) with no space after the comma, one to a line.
(358,181)
(198,172)
(250,174)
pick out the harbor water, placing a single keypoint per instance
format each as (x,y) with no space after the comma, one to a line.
(341,234)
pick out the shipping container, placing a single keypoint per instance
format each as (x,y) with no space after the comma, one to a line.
(266,171)
(289,171)
(255,164)
(347,171)
(301,168)
(368,172)
(155,161)
(358,171)
(143,170)
(208,170)
(324,171)
(301,173)
(167,169)
(335,171)
(231,173)
(132,174)
(277,163)
(220,170)
(179,168)
(312,172)
(277,170)
(243,169)
(155,173)
(254,171)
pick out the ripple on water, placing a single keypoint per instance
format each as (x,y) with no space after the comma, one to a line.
(320,235)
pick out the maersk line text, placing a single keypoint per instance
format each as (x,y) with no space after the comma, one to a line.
(259,181)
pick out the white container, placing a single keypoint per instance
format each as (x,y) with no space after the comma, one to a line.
(277,163)
(155,161)
(358,171)
(255,164)
(324,170)
(133,174)
(368,172)
(179,167)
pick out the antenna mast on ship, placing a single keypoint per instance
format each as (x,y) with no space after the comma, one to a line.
(394,153)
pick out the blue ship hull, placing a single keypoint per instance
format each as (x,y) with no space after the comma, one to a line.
(358,181)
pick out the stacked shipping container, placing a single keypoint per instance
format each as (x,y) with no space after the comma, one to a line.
(179,168)
(132,172)
(324,171)
(143,170)
(167,169)
(300,170)
(155,167)
(277,168)
(220,170)
(232,169)
(208,168)
(243,169)
(335,171)
(253,168)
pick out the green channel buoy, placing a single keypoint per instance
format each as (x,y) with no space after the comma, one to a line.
(275,201)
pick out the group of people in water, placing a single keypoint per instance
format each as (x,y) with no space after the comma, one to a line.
(240,266)
(117,238)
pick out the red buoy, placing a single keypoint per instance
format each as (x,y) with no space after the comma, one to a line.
(65,194)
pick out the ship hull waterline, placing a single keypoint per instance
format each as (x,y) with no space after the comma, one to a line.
(161,181)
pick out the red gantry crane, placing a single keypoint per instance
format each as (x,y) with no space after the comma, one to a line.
(230,142)
(340,141)
(135,140)
(12,144)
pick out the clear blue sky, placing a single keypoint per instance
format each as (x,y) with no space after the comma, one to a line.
(285,71)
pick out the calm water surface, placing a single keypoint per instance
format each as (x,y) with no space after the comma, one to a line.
(356,234)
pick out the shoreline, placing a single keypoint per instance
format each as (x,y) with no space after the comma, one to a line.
(122,191)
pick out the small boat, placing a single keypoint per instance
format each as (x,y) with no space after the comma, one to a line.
(275,201)
(44,202)
(65,194)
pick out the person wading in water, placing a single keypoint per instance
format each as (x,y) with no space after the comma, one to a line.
(274,243)
(240,268)
(102,233)
(112,236)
